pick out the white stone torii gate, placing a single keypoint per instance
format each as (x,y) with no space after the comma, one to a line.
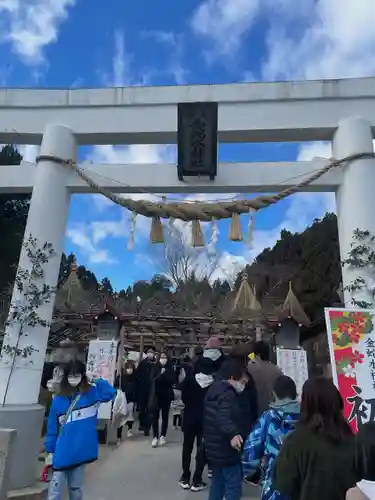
(341,111)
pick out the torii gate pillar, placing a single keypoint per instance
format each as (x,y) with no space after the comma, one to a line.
(355,198)
(20,386)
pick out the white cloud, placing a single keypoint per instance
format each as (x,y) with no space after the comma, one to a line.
(335,40)
(224,23)
(311,150)
(80,237)
(325,39)
(312,39)
(175,46)
(121,64)
(29,152)
(30,25)
(125,72)
(137,153)
(228,266)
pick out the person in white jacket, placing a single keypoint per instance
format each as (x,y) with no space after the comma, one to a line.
(365,464)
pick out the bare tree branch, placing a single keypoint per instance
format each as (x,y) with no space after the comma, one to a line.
(179,261)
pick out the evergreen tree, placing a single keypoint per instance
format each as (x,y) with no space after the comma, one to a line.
(14,208)
(106,286)
(311,260)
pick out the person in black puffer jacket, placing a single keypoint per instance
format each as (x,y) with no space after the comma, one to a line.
(248,399)
(194,388)
(161,397)
(144,377)
(127,383)
(222,431)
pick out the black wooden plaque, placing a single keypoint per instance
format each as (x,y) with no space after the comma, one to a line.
(197,139)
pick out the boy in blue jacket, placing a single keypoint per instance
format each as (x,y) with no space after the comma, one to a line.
(71,436)
(264,442)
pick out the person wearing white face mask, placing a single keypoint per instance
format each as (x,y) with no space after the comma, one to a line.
(161,398)
(144,379)
(126,382)
(214,352)
(71,436)
(222,436)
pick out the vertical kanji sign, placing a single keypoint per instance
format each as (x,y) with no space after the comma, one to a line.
(293,363)
(351,339)
(101,362)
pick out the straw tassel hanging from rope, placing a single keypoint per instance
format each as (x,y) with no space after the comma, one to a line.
(157,231)
(235,231)
(197,239)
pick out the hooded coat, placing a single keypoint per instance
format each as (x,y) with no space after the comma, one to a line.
(143,380)
(264,443)
(248,401)
(75,442)
(194,389)
(127,383)
(161,390)
(222,422)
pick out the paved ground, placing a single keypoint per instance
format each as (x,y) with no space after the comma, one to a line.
(135,471)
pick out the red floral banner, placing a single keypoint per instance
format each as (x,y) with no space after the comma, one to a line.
(351,339)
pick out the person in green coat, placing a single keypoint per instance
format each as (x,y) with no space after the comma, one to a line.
(365,464)
(316,460)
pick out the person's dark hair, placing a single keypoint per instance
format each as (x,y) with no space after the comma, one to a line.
(76,367)
(129,364)
(262,350)
(322,409)
(241,353)
(198,351)
(285,388)
(232,369)
(365,452)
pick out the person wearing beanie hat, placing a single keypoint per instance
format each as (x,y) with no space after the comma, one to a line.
(213,343)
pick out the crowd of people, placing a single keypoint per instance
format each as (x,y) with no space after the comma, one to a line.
(242,415)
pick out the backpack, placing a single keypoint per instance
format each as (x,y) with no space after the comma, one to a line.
(279,427)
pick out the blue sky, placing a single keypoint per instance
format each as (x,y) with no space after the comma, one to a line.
(87,43)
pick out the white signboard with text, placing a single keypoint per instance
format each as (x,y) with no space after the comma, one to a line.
(351,340)
(101,362)
(293,363)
